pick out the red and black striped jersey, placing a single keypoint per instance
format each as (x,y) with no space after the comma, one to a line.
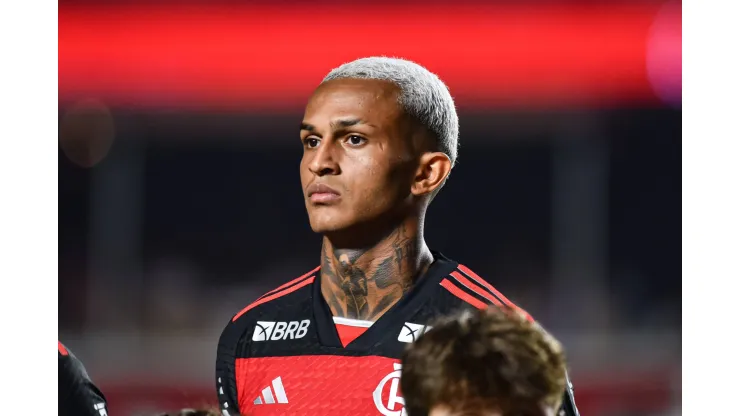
(283,354)
(78,395)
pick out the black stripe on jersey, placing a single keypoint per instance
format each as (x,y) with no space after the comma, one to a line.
(299,281)
(498,298)
(462,286)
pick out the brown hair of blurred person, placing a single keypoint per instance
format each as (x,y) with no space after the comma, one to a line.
(491,362)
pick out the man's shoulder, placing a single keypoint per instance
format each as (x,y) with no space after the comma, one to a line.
(281,311)
(473,289)
(78,395)
(279,298)
(69,364)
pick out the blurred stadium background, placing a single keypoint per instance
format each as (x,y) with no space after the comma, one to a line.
(567,192)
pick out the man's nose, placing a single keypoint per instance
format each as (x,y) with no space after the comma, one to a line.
(324,161)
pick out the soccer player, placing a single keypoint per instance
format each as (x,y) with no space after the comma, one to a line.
(488,363)
(379,140)
(78,395)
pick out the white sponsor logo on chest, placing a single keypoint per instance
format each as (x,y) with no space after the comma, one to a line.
(411,332)
(274,331)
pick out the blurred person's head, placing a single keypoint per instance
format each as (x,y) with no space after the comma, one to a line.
(380,138)
(493,362)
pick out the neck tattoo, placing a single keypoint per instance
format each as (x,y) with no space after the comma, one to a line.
(364,284)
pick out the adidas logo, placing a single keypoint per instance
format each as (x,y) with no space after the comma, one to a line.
(411,332)
(267,397)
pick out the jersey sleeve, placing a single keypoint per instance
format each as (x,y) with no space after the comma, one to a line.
(568,407)
(229,343)
(78,395)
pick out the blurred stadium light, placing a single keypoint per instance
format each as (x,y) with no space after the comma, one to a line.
(270,57)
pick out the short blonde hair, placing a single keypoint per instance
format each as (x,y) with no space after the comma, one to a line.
(422,95)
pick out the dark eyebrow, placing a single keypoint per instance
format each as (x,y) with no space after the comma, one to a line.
(343,124)
(336,125)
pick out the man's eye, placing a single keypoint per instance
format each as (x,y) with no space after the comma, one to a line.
(356,140)
(311,142)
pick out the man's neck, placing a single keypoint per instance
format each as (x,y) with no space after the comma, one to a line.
(365,283)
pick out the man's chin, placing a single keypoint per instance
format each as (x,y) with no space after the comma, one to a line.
(341,234)
(327,227)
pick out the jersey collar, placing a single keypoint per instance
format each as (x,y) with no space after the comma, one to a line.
(404,309)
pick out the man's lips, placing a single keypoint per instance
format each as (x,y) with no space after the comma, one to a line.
(322,193)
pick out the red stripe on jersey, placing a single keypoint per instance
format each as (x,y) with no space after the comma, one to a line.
(485,284)
(475,288)
(503,298)
(462,295)
(290,283)
(62,350)
(273,297)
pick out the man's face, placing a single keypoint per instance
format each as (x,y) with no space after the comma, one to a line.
(358,155)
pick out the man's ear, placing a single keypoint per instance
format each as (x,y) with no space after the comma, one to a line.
(434,167)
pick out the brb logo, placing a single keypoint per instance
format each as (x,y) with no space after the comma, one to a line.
(274,331)
(389,408)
